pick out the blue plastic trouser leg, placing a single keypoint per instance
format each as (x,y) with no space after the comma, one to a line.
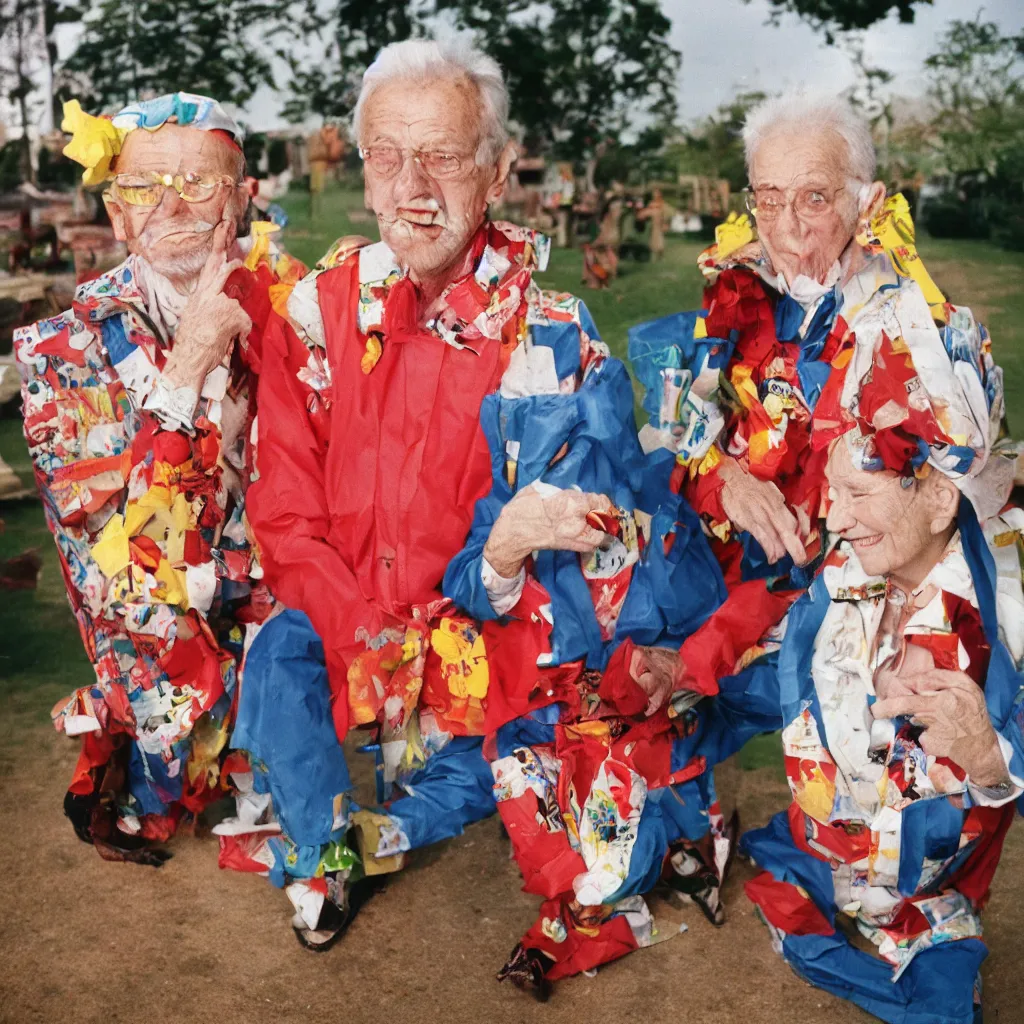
(453,789)
(284,721)
(936,988)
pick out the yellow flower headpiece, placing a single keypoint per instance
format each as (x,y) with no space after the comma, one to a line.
(94,142)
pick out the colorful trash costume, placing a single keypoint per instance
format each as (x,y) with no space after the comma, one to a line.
(371,464)
(145,500)
(595,792)
(882,837)
(744,376)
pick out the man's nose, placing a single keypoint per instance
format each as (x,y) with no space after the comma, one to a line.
(789,222)
(412,180)
(170,205)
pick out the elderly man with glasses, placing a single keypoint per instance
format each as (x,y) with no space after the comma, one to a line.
(732,388)
(397,364)
(138,407)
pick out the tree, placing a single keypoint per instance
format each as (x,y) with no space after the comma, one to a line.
(714,146)
(20,43)
(134,49)
(27,47)
(355,30)
(832,16)
(578,70)
(977,86)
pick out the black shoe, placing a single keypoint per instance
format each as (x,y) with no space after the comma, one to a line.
(334,920)
(526,969)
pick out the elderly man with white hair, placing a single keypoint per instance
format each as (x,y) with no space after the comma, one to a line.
(371,461)
(138,404)
(732,388)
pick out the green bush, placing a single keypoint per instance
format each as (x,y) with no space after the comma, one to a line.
(948,216)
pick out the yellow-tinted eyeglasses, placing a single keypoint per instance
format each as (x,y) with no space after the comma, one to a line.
(146,188)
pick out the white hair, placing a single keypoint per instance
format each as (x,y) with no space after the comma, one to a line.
(457,57)
(802,111)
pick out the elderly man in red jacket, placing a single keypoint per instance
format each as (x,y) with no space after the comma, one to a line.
(371,460)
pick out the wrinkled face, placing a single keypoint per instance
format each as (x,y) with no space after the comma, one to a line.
(428,219)
(895,530)
(807,168)
(176,237)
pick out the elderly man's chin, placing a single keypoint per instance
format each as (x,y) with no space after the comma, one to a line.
(178,257)
(423,248)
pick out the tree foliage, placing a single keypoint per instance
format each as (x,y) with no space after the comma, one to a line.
(133,49)
(714,146)
(832,16)
(579,71)
(977,86)
(353,32)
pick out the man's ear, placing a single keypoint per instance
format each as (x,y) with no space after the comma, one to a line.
(116,215)
(872,203)
(944,500)
(501,172)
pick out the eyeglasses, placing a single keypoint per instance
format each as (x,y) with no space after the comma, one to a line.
(146,188)
(387,161)
(768,203)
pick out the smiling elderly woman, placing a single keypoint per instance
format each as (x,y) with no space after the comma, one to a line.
(896,681)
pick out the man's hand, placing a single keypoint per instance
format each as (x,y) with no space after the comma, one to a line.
(758,507)
(951,707)
(530,522)
(211,320)
(658,671)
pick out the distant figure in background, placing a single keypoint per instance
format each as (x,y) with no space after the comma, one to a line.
(324,149)
(658,212)
(601,256)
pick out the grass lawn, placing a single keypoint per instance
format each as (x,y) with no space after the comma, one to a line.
(41,655)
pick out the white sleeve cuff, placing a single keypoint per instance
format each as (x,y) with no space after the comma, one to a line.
(502,592)
(176,407)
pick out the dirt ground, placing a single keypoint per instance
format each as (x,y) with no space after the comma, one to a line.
(99,943)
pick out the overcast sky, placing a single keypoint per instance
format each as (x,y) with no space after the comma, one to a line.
(727,47)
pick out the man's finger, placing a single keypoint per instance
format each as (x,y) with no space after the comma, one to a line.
(223,272)
(216,258)
(915,705)
(765,535)
(789,537)
(938,679)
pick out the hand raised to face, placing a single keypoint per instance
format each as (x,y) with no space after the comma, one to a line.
(211,320)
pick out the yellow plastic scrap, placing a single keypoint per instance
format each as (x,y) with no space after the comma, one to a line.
(732,234)
(94,142)
(260,251)
(158,496)
(136,517)
(172,589)
(208,739)
(111,552)
(463,658)
(367,826)
(700,329)
(893,230)
(372,353)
